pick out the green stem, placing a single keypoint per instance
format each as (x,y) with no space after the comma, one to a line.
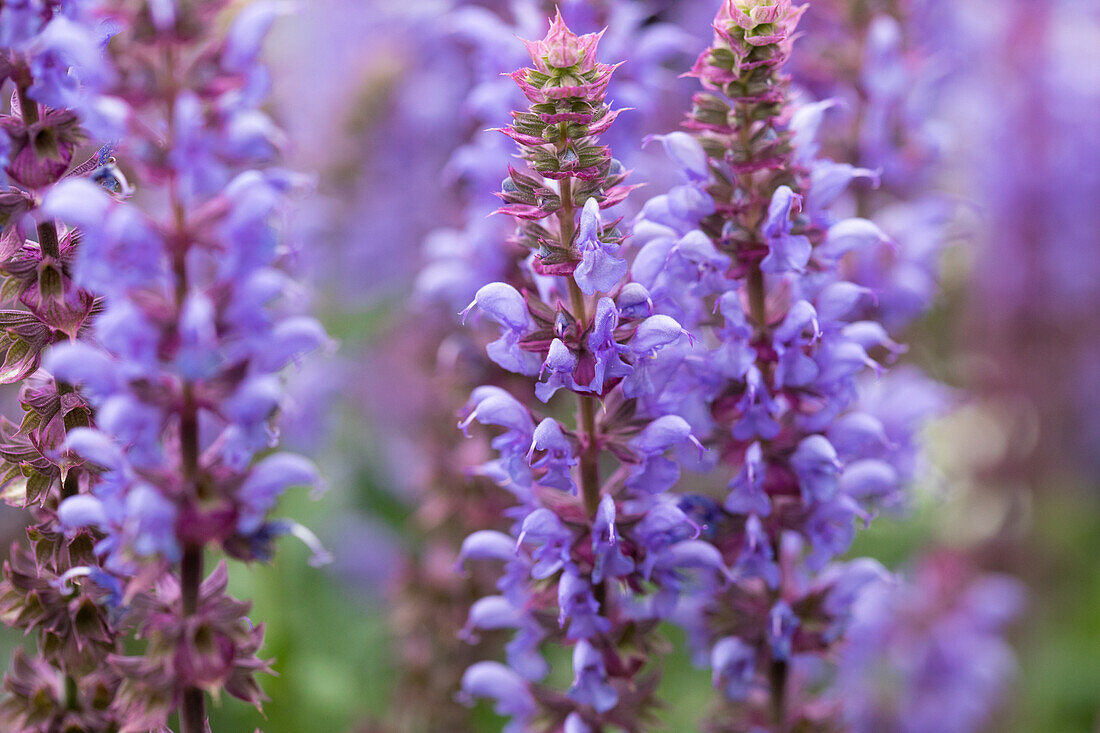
(192,708)
(590,455)
(756,286)
(193,704)
(777,676)
(586,404)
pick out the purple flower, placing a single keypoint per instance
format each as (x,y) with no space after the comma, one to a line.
(506,306)
(607,351)
(757,559)
(610,561)
(786,251)
(655,473)
(830,529)
(686,152)
(552,541)
(927,653)
(734,667)
(495,681)
(592,331)
(560,364)
(178,327)
(590,686)
(746,491)
(579,607)
(633,301)
(782,624)
(599,270)
(817,467)
(557,457)
(267,481)
(757,267)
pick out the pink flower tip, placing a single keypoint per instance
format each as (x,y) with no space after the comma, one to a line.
(562,48)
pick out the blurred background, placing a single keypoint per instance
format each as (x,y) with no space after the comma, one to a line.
(387,104)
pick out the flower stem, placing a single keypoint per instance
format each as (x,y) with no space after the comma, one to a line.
(590,467)
(757,291)
(777,677)
(192,711)
(758,297)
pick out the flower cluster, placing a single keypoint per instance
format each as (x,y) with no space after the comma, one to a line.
(449,502)
(879,70)
(682,418)
(56,587)
(151,423)
(599,551)
(747,255)
(459,260)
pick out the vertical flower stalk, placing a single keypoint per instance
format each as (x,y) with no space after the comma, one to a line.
(746,253)
(183,366)
(598,551)
(451,503)
(56,587)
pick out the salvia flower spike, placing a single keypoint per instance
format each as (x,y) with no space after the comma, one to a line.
(596,556)
(55,588)
(164,392)
(746,254)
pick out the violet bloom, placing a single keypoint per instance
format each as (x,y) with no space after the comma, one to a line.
(183,375)
(784,342)
(459,55)
(599,269)
(594,555)
(55,587)
(461,258)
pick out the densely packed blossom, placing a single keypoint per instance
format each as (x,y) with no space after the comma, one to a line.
(54,588)
(177,379)
(877,72)
(449,503)
(747,255)
(763,355)
(673,411)
(596,556)
(461,259)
